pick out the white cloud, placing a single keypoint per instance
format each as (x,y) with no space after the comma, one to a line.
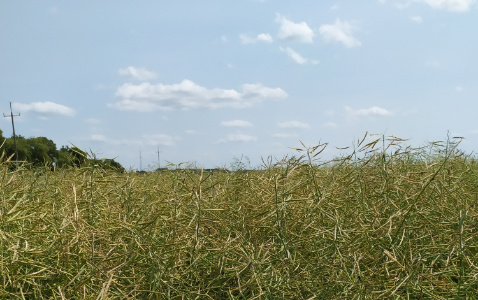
(294,31)
(53,10)
(93,121)
(450,5)
(137,73)
(331,125)
(238,138)
(339,32)
(416,19)
(147,139)
(433,64)
(285,135)
(295,56)
(103,139)
(373,111)
(260,38)
(98,138)
(45,108)
(236,123)
(160,139)
(189,95)
(293,124)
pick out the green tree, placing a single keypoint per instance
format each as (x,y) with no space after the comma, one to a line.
(109,164)
(24,153)
(43,151)
(74,157)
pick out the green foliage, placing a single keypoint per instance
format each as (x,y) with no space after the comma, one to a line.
(108,164)
(72,157)
(38,150)
(24,151)
(380,223)
(41,151)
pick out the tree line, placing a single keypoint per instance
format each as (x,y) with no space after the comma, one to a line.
(41,151)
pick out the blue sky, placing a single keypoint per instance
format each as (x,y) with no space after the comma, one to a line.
(208,81)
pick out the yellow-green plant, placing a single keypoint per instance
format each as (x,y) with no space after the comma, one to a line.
(386,222)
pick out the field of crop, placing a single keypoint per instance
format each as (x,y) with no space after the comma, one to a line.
(385,222)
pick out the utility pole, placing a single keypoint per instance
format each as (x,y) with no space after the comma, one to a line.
(140,162)
(13,126)
(159,162)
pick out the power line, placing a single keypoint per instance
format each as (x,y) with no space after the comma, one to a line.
(13,126)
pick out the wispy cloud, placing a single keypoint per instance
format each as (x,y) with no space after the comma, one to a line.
(450,5)
(147,139)
(295,56)
(93,121)
(285,135)
(260,38)
(373,111)
(236,123)
(294,31)
(416,19)
(293,124)
(45,108)
(188,95)
(432,64)
(238,138)
(53,10)
(160,139)
(103,139)
(341,32)
(137,73)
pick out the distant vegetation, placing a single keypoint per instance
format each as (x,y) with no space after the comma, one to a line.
(386,221)
(40,151)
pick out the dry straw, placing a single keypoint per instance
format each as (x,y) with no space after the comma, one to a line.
(385,222)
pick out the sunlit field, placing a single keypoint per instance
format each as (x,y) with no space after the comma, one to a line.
(386,221)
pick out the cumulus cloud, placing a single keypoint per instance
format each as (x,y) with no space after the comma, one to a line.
(260,38)
(341,32)
(238,138)
(373,111)
(294,31)
(188,95)
(236,123)
(295,56)
(137,73)
(45,108)
(293,124)
(450,5)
